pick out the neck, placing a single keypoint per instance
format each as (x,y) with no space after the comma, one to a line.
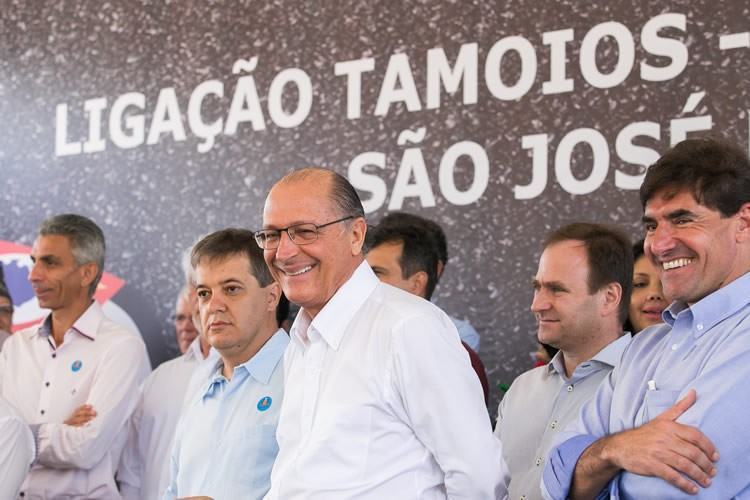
(235,358)
(205,346)
(589,348)
(63,319)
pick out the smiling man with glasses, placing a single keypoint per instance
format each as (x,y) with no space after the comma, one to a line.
(381,400)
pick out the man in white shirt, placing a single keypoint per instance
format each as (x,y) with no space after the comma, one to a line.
(75,378)
(581,296)
(16,450)
(381,400)
(144,469)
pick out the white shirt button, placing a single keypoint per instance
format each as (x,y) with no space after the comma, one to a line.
(570,388)
(675,346)
(553,424)
(538,461)
(699,326)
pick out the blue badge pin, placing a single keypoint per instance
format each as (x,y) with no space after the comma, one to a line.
(264,403)
(76,365)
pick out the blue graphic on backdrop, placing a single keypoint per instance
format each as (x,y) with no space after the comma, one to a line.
(16,277)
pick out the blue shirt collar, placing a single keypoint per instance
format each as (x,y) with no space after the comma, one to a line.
(260,367)
(714,307)
(610,355)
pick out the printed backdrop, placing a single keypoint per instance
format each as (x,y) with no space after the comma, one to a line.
(167,120)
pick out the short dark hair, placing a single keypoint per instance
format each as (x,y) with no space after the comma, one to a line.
(282,310)
(229,242)
(86,240)
(418,252)
(609,253)
(716,172)
(341,193)
(436,231)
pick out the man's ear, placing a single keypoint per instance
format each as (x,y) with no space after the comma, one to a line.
(358,232)
(273,292)
(89,271)
(418,284)
(611,295)
(743,228)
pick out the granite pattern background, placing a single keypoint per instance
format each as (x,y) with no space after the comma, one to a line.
(154,200)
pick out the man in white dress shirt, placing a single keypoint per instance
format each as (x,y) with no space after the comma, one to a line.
(381,400)
(144,469)
(75,378)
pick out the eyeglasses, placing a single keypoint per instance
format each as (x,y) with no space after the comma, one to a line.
(6,310)
(299,234)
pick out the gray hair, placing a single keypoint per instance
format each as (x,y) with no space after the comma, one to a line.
(86,240)
(341,193)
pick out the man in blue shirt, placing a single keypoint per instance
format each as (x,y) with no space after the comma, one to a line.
(225,442)
(671,418)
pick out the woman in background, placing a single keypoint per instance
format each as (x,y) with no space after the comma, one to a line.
(647,301)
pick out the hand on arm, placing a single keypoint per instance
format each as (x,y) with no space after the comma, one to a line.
(677,453)
(81,416)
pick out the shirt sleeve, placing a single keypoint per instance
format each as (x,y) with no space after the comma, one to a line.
(504,471)
(443,400)
(16,454)
(113,396)
(130,470)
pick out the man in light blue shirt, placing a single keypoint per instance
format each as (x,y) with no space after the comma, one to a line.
(671,418)
(225,443)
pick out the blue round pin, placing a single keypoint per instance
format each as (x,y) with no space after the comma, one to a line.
(264,403)
(76,365)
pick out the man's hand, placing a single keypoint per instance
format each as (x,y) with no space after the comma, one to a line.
(81,416)
(661,448)
(666,449)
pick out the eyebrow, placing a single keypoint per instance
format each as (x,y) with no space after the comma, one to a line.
(45,258)
(675,214)
(549,284)
(223,282)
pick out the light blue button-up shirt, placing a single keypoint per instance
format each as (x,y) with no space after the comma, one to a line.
(705,347)
(225,443)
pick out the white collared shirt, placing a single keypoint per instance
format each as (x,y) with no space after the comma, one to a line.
(16,450)
(144,469)
(99,363)
(381,402)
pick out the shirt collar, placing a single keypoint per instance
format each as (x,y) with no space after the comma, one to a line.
(87,323)
(332,320)
(260,367)
(194,350)
(714,307)
(610,355)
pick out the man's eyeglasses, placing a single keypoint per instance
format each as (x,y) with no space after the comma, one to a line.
(6,310)
(299,234)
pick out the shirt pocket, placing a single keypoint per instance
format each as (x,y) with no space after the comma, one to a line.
(254,447)
(658,401)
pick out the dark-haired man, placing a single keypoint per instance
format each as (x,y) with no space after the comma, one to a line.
(671,420)
(435,236)
(404,256)
(75,378)
(581,296)
(225,442)
(381,400)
